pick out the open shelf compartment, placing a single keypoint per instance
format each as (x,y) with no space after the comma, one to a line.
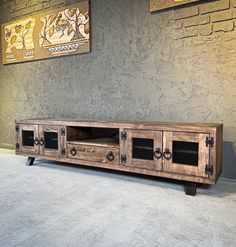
(93,136)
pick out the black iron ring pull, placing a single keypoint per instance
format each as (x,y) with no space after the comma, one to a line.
(110,156)
(73,151)
(158,153)
(36,141)
(167,154)
(41,142)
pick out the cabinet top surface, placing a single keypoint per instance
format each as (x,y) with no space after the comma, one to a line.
(125,124)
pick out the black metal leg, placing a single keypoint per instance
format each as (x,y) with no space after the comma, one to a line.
(30,161)
(191,189)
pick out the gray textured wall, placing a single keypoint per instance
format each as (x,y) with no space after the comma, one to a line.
(177,65)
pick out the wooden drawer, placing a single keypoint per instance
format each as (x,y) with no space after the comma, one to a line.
(93,153)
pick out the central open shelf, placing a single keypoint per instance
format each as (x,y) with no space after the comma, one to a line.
(106,137)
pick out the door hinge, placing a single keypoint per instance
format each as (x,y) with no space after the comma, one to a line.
(63,132)
(123,135)
(123,158)
(209,142)
(209,169)
(17,128)
(63,151)
(17,146)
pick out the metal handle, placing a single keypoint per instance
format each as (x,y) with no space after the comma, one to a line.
(41,142)
(110,156)
(36,141)
(73,151)
(167,154)
(158,153)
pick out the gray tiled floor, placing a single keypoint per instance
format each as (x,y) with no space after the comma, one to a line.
(56,205)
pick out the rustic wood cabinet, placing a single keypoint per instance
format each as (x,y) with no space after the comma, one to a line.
(182,151)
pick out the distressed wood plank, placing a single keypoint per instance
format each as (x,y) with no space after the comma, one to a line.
(99,138)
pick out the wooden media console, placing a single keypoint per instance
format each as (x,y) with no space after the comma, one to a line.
(191,152)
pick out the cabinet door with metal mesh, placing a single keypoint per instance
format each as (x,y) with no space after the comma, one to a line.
(51,140)
(27,136)
(143,149)
(185,153)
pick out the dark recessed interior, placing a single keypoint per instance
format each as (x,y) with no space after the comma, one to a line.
(28,138)
(142,148)
(51,140)
(93,134)
(185,153)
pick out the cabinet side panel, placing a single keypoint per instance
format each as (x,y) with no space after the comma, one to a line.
(219,151)
(17,144)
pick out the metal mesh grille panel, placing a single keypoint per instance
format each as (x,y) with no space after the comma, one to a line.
(142,148)
(185,153)
(28,138)
(51,140)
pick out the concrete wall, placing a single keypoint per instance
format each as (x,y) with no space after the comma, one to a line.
(177,65)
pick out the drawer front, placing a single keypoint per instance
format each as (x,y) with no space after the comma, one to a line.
(93,153)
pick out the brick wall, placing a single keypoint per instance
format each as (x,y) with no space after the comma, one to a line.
(19,8)
(204,19)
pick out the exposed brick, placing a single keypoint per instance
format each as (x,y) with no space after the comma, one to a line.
(186,12)
(27,11)
(200,40)
(57,2)
(187,42)
(186,33)
(32,2)
(214,6)
(225,26)
(206,30)
(197,20)
(46,5)
(222,16)
(38,7)
(44,1)
(20,5)
(233,2)
(234,13)
(176,24)
(16,14)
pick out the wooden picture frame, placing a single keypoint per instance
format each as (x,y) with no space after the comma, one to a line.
(157,5)
(57,32)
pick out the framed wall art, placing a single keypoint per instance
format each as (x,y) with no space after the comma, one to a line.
(58,32)
(156,5)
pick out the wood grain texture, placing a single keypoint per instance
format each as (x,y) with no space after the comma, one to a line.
(203,155)
(61,142)
(167,126)
(125,168)
(156,5)
(93,153)
(94,149)
(28,149)
(155,164)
